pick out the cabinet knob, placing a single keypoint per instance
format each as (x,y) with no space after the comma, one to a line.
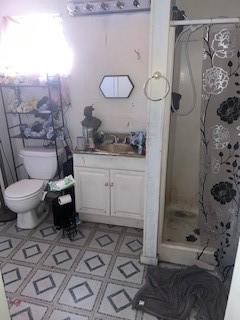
(106,184)
(111,184)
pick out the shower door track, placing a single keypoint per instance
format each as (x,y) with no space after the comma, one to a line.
(204,22)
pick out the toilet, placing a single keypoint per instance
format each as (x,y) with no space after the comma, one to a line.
(24,197)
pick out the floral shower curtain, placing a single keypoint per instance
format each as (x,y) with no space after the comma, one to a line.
(220,147)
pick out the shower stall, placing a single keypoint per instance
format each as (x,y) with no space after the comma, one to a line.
(182,182)
(199,200)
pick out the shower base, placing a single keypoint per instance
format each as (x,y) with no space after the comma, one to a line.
(181,226)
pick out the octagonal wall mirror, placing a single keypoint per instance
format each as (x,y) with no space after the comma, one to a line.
(116,86)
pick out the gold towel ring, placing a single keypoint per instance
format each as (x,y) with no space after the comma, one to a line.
(157,75)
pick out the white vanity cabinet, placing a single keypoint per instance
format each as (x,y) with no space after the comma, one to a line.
(92,190)
(127,193)
(110,189)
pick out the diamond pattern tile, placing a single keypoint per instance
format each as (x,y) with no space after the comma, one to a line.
(62,258)
(62,315)
(59,279)
(13,275)
(94,263)
(44,285)
(132,245)
(129,270)
(104,240)
(123,297)
(117,300)
(31,252)
(27,311)
(23,314)
(7,245)
(80,293)
(46,231)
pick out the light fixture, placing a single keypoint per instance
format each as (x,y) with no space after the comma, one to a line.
(89,7)
(120,4)
(136,3)
(104,6)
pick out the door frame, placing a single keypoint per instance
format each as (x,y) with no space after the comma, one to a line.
(158,61)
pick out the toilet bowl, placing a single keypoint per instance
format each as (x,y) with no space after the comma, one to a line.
(24,197)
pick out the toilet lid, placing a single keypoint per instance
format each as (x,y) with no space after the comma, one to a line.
(23,188)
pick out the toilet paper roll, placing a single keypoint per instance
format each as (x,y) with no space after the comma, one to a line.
(64,199)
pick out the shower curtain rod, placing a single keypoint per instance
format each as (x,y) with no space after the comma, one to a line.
(203,21)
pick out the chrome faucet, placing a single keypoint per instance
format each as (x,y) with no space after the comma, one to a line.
(128,137)
(115,138)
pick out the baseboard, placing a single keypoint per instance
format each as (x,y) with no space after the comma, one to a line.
(149,260)
(180,254)
(97,218)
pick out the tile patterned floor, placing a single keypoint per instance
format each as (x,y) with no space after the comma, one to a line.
(93,277)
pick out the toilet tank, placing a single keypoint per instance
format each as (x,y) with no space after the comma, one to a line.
(40,163)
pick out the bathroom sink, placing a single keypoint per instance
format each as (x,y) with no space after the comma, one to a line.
(120,148)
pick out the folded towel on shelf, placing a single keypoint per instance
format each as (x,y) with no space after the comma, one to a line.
(61,184)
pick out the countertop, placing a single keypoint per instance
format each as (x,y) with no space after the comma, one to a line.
(103,153)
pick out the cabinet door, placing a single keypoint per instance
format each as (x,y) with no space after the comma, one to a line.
(127,193)
(92,191)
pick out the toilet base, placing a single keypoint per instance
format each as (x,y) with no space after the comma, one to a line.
(32,218)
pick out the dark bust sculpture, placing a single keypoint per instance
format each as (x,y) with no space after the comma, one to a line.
(89,121)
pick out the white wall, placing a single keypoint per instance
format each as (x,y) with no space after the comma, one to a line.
(210,8)
(184,143)
(101,45)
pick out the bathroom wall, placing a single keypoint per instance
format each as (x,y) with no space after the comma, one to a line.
(210,8)
(105,44)
(184,143)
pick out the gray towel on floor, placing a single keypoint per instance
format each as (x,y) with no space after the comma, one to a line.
(172,294)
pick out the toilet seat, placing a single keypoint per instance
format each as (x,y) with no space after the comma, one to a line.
(24,189)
